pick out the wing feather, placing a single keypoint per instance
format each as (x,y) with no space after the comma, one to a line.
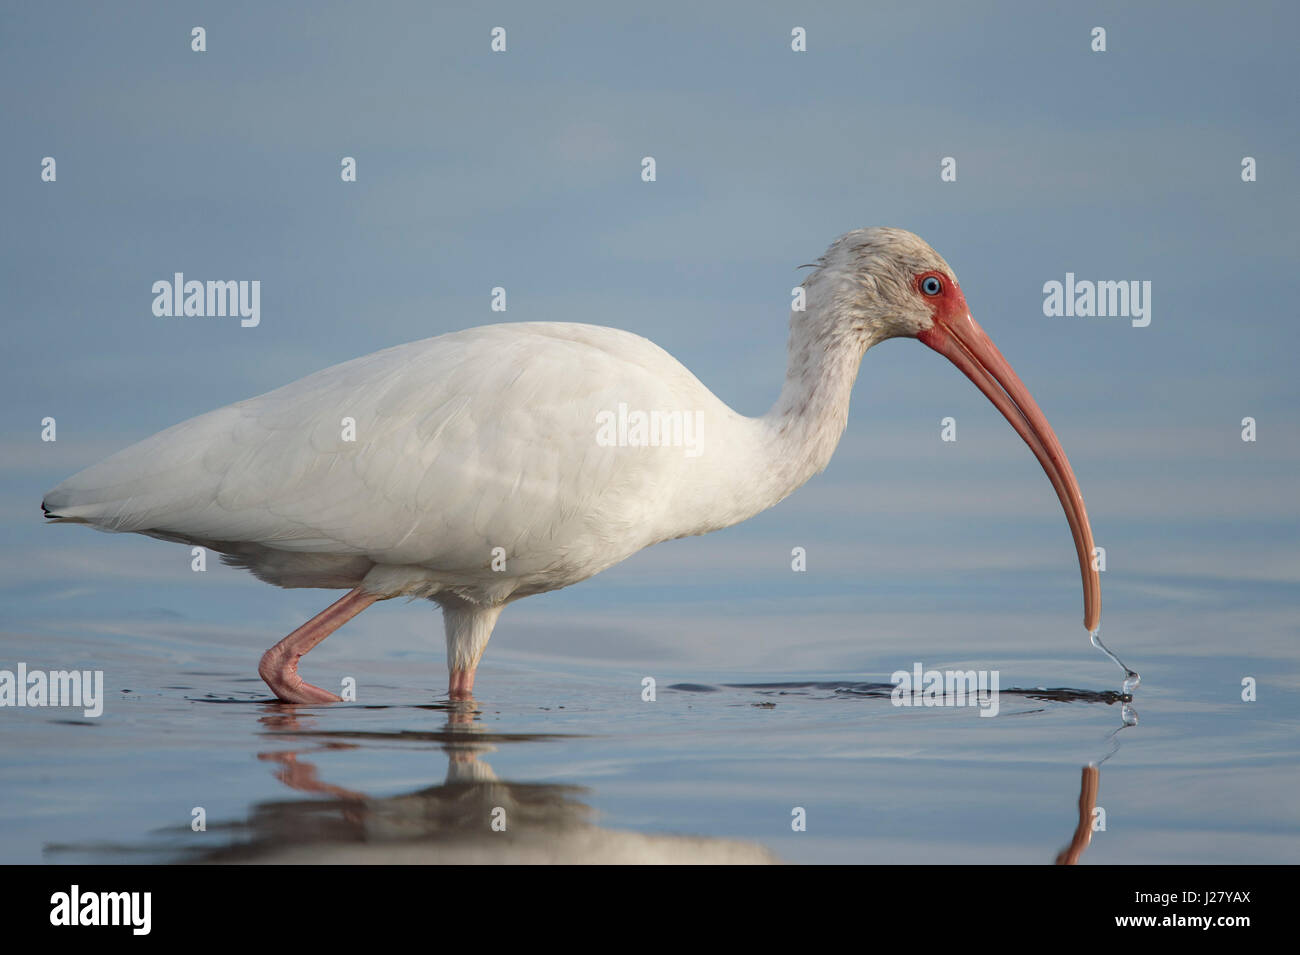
(465,442)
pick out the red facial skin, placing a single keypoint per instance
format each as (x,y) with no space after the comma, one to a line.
(957,337)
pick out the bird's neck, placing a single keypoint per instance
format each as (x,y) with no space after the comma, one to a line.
(761,461)
(804,427)
(768,458)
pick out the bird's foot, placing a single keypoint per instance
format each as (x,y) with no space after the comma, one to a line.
(280,672)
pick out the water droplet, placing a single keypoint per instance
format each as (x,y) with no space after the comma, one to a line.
(1131,678)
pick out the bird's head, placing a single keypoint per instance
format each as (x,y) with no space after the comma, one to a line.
(874,284)
(883,283)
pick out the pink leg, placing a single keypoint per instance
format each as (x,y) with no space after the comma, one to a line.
(462,684)
(279,666)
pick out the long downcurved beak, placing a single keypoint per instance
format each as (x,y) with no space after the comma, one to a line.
(966,345)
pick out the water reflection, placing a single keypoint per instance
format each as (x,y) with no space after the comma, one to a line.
(546,822)
(1091,773)
(472,816)
(1089,785)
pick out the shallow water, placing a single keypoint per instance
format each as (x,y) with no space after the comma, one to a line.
(561,744)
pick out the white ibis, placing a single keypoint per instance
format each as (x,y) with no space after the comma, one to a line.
(489,464)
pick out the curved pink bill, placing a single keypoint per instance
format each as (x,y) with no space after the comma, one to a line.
(965,344)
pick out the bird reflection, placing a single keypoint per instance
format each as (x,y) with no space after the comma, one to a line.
(1083,831)
(1089,784)
(471,816)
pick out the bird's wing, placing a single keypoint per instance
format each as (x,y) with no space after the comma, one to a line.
(431,453)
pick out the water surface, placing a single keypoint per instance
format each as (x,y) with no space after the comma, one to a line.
(582,768)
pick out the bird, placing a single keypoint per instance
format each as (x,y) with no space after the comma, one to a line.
(482,466)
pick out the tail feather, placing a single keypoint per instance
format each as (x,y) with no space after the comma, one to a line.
(54,517)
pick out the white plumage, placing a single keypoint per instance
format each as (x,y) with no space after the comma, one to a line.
(481,446)
(467,442)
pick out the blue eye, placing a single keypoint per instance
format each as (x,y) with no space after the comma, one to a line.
(931,285)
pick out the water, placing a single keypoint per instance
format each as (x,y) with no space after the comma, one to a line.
(755,718)
(1132,680)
